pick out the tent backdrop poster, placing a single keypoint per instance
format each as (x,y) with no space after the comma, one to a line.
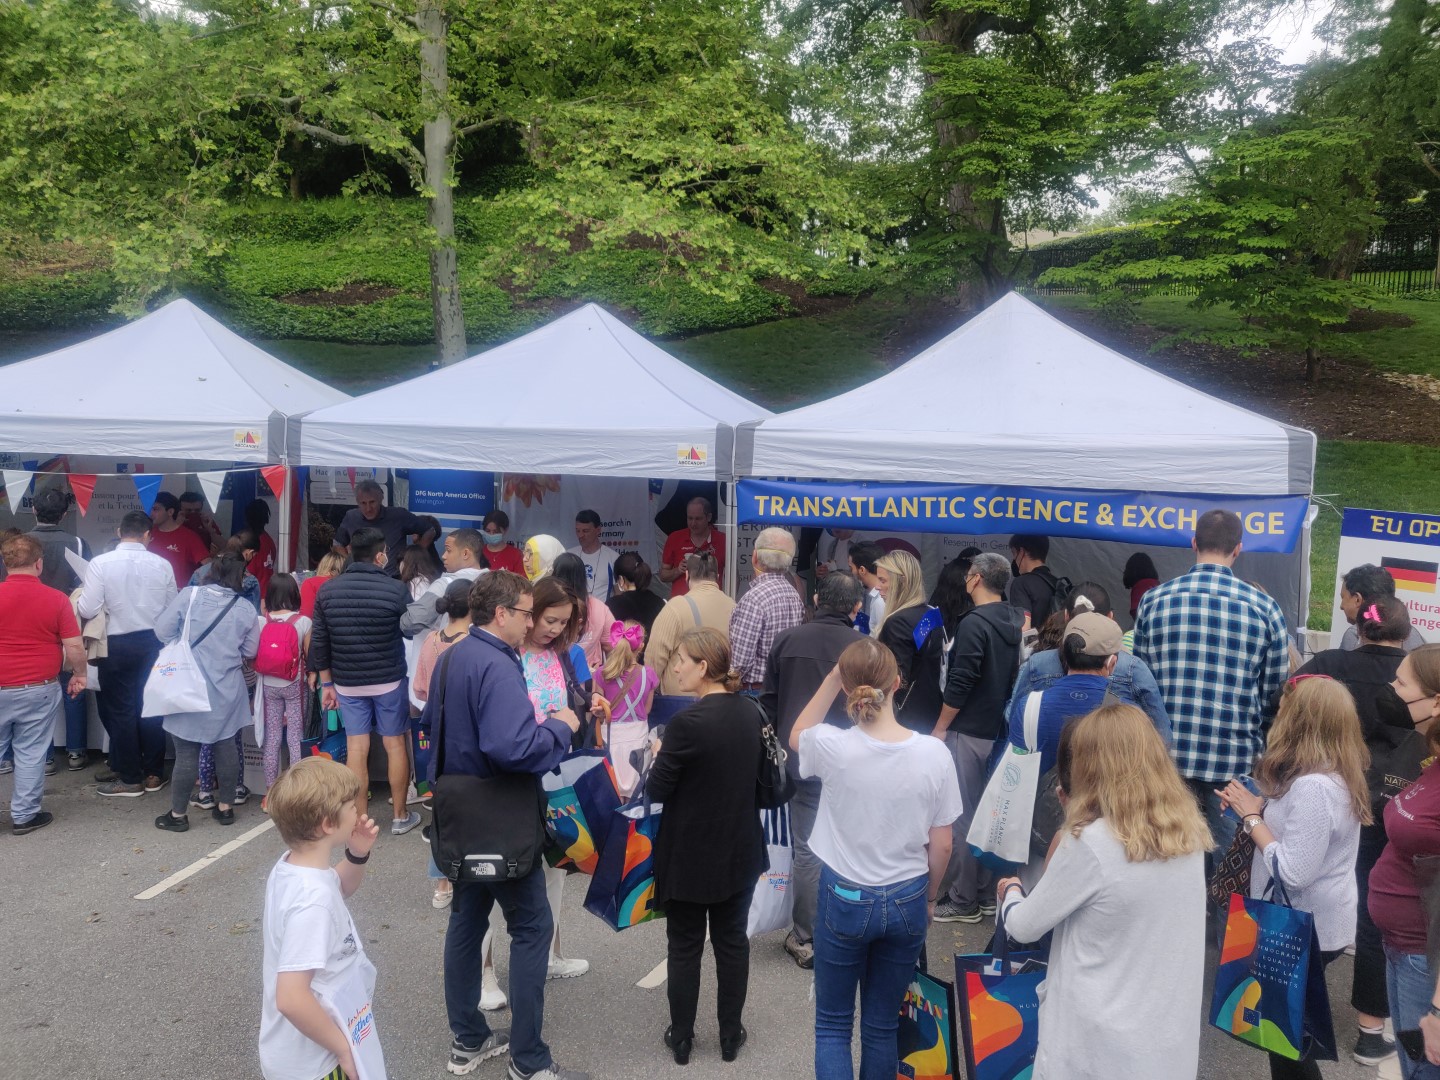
(1407,545)
(540,504)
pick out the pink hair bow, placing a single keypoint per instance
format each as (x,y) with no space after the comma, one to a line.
(634,636)
(1372,613)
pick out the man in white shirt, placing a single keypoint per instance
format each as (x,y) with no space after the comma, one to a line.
(132,586)
(464,550)
(598,558)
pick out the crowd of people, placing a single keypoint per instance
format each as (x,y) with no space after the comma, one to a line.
(1170,745)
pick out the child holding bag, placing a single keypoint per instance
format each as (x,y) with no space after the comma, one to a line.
(629,687)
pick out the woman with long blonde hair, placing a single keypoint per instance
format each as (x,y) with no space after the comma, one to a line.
(911,629)
(1124,893)
(1306,820)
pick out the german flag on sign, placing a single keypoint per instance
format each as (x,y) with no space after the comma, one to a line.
(1412,575)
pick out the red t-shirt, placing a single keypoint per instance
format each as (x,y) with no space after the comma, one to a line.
(506,558)
(182,549)
(34,618)
(263,564)
(308,588)
(1412,825)
(678,544)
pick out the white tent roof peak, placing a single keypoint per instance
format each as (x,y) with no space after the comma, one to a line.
(174,383)
(1015,396)
(583,394)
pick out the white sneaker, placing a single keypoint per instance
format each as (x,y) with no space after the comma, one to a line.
(1390,1068)
(567,969)
(492,998)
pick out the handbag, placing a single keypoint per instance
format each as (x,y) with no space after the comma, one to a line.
(1006,810)
(999,1008)
(485,828)
(579,702)
(925,1038)
(1232,873)
(622,889)
(581,795)
(774,786)
(175,684)
(1270,986)
(773,904)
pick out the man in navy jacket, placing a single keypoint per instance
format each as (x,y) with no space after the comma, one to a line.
(489,728)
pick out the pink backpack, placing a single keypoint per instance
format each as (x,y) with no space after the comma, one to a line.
(279,655)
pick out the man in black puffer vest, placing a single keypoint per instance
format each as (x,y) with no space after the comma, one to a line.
(356,646)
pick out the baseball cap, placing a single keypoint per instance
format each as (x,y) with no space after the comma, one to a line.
(1100,633)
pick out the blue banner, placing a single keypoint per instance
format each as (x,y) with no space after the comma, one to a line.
(452,493)
(1272,523)
(1392,525)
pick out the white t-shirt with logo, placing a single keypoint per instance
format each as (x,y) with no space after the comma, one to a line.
(879,801)
(599,570)
(308,928)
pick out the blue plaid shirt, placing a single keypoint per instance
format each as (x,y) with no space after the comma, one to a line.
(1217,648)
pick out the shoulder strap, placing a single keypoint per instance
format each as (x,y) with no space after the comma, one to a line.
(437,686)
(1032,720)
(694,609)
(226,611)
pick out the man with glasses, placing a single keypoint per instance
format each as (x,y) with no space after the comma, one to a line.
(489,728)
(769,606)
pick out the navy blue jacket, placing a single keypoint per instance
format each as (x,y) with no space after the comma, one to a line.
(490,723)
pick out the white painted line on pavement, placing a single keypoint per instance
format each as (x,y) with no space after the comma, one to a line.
(204,861)
(655,978)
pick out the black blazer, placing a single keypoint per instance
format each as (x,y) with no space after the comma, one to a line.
(710,845)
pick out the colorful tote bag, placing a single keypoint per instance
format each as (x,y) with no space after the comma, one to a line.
(622,889)
(1270,987)
(926,1037)
(581,796)
(999,1010)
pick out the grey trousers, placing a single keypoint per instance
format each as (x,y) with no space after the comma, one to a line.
(805,870)
(964,875)
(187,771)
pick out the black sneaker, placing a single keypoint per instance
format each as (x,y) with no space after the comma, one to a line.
(242,795)
(1372,1047)
(987,907)
(170,823)
(948,910)
(225,817)
(202,800)
(464,1059)
(803,952)
(120,790)
(77,760)
(39,821)
(50,767)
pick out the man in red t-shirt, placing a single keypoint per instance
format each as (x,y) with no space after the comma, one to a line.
(37,631)
(698,535)
(182,548)
(257,516)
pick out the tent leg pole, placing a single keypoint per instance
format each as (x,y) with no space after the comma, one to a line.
(732,572)
(286,524)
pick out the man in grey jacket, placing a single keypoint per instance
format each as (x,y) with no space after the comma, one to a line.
(463,558)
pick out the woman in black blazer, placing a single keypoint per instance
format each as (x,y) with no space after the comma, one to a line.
(710,851)
(912,631)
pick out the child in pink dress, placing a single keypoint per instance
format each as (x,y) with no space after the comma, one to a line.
(629,686)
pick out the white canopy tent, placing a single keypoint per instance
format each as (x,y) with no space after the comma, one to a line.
(173,384)
(1016,397)
(583,395)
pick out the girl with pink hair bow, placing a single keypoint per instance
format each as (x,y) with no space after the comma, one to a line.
(629,686)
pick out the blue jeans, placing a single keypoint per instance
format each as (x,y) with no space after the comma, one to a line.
(871,938)
(137,744)
(27,724)
(77,718)
(527,917)
(1410,985)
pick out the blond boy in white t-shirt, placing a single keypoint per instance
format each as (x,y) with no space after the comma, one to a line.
(315,1016)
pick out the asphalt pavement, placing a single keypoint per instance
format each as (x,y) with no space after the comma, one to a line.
(99,984)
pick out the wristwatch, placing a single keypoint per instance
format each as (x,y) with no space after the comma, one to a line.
(356,859)
(1250,823)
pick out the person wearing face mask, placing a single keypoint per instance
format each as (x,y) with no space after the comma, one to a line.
(1403,898)
(1397,752)
(356,647)
(499,553)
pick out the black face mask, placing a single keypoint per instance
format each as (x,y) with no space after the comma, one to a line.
(1393,710)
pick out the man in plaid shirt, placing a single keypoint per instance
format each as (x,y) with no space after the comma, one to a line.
(769,606)
(1217,648)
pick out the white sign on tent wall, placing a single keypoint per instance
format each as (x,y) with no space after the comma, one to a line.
(1408,546)
(541,505)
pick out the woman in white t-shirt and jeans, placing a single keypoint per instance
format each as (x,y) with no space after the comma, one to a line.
(883,839)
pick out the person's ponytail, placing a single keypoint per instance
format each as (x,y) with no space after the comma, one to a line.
(864,703)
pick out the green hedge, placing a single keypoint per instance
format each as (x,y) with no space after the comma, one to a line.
(54,302)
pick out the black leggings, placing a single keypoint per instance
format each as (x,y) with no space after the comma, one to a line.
(187,770)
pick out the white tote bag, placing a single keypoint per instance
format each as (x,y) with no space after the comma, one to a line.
(175,684)
(773,904)
(1006,810)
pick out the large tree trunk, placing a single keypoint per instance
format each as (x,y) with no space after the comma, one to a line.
(440,210)
(983,218)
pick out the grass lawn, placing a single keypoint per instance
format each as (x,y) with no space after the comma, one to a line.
(1411,349)
(1382,476)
